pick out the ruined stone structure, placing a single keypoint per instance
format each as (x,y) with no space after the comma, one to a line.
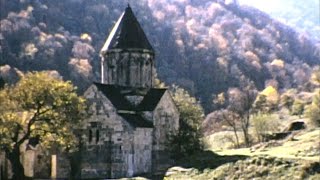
(130,119)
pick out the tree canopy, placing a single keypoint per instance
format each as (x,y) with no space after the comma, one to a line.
(202,46)
(187,141)
(313,110)
(38,106)
(189,108)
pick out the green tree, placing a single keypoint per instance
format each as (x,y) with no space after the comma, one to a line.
(187,140)
(313,110)
(297,107)
(38,106)
(260,105)
(287,100)
(264,124)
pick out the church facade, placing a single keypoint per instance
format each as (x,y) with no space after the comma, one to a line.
(130,120)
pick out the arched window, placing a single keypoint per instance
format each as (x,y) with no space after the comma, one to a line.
(90,136)
(97,136)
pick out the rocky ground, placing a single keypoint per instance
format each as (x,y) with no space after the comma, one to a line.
(256,167)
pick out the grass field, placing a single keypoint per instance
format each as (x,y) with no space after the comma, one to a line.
(305,145)
(295,157)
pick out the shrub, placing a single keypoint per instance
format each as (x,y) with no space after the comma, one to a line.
(313,110)
(187,140)
(264,124)
(297,107)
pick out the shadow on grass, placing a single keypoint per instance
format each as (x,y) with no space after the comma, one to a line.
(203,160)
(208,159)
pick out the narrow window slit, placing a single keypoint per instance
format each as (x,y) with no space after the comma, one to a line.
(97,136)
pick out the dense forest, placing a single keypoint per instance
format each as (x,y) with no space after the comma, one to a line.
(203,46)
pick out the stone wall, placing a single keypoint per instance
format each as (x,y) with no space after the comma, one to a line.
(108,140)
(166,122)
(28,160)
(42,166)
(129,68)
(142,151)
(113,148)
(63,167)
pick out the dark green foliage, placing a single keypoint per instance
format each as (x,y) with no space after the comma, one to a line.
(297,107)
(287,101)
(260,105)
(187,140)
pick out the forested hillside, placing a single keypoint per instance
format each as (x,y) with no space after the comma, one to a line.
(301,15)
(203,46)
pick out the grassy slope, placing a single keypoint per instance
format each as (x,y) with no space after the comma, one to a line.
(256,167)
(297,157)
(305,145)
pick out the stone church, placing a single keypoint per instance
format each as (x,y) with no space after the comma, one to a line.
(127,131)
(126,134)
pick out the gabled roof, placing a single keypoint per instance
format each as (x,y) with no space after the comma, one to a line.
(127,33)
(136,120)
(112,92)
(125,109)
(151,99)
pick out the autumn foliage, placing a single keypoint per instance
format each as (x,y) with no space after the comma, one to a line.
(41,107)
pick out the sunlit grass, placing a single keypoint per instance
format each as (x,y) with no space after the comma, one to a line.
(293,149)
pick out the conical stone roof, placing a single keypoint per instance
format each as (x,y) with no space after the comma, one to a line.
(127,34)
